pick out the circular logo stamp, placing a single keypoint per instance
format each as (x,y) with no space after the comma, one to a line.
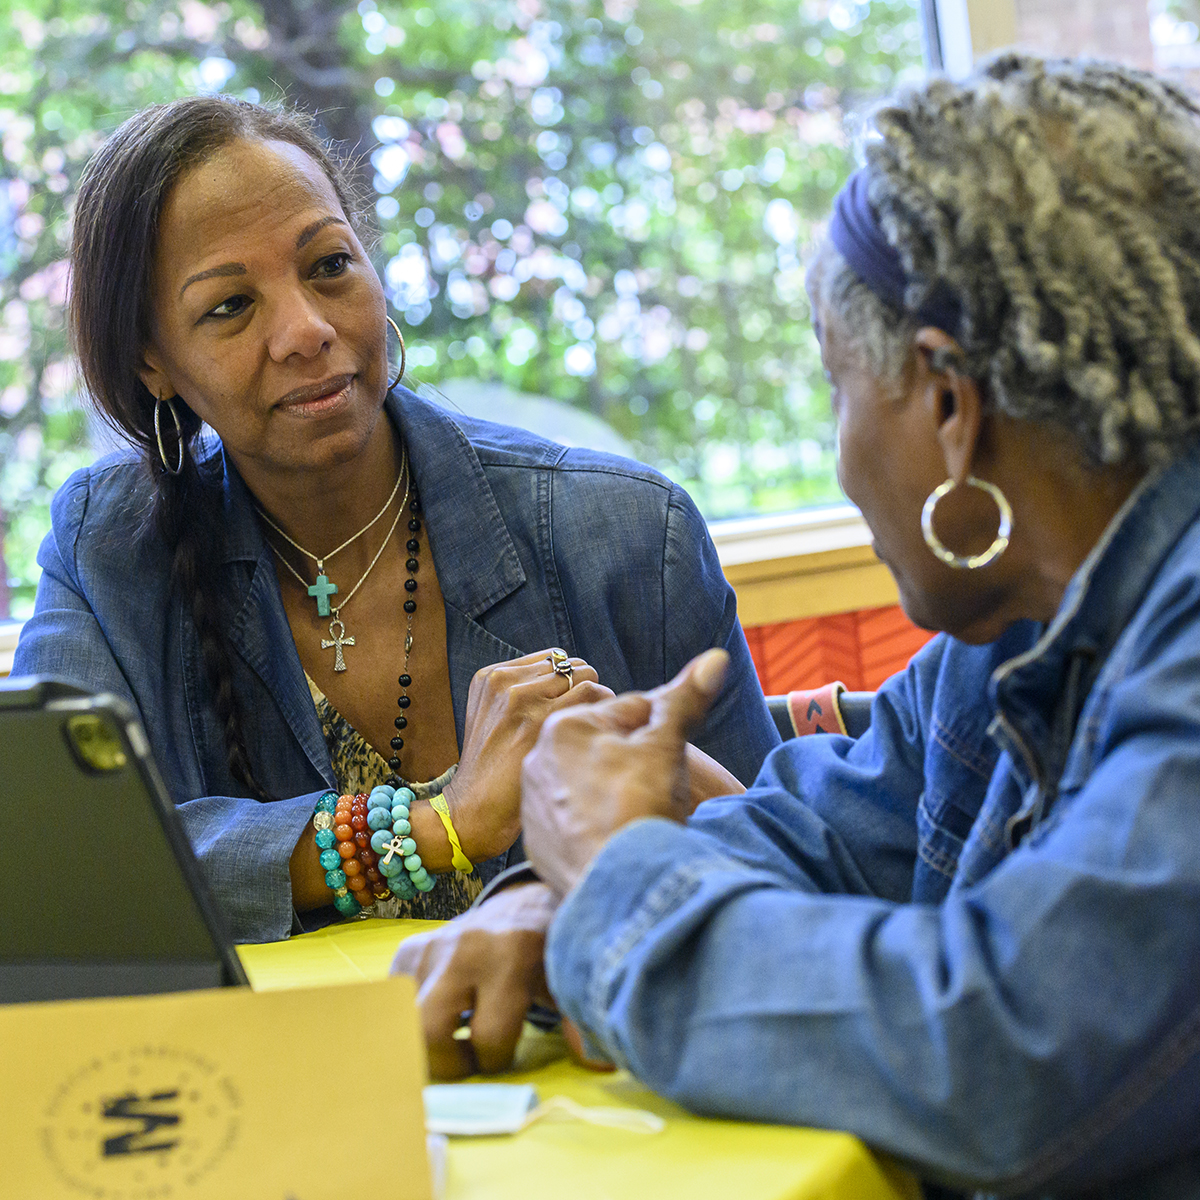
(140,1124)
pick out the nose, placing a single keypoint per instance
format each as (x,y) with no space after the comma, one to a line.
(298,326)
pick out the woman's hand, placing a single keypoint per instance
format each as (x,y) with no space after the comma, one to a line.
(506,706)
(597,768)
(487,962)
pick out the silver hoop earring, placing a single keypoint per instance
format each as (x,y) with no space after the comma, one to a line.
(403,355)
(974,561)
(162,454)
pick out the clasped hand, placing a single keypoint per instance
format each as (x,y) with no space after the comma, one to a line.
(506,706)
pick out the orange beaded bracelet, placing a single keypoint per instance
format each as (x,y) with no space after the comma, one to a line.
(359,861)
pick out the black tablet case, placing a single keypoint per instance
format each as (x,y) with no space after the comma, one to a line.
(102,895)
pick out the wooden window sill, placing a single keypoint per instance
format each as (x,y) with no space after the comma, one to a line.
(804,564)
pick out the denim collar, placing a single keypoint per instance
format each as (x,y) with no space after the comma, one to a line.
(1027,692)
(477,562)
(475,557)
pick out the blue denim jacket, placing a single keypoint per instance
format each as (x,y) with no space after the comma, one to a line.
(535,545)
(972,937)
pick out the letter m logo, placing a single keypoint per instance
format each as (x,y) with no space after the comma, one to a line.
(146,1113)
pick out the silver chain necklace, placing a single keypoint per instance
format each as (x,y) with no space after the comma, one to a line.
(337,630)
(323,589)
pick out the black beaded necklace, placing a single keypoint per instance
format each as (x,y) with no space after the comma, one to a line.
(413,546)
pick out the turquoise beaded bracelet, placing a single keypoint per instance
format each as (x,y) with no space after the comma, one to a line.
(329,858)
(388,818)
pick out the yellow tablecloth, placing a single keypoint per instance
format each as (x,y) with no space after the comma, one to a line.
(693,1158)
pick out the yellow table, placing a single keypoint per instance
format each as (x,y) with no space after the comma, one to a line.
(694,1157)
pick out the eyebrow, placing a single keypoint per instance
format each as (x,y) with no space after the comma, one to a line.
(214,273)
(311,231)
(235,268)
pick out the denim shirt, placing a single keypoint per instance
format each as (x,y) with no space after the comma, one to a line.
(971,937)
(535,545)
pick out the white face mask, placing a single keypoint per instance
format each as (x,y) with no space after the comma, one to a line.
(481,1109)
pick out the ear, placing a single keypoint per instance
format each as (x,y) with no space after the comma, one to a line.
(954,400)
(153,374)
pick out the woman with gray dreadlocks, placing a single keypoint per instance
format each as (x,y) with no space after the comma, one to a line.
(972,936)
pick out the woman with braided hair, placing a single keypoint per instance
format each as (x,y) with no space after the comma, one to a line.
(972,936)
(308,581)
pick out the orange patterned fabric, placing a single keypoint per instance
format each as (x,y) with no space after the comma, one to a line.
(860,648)
(816,710)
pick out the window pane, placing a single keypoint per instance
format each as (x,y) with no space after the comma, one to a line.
(652,176)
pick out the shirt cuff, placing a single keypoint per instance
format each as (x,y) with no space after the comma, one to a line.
(645,872)
(244,848)
(518,873)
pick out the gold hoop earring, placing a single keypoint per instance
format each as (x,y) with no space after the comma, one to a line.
(403,354)
(162,454)
(974,561)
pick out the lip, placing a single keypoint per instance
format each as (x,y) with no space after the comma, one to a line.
(316,398)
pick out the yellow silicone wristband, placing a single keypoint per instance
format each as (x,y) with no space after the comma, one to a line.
(460,861)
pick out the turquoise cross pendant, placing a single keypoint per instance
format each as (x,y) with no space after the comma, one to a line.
(322,590)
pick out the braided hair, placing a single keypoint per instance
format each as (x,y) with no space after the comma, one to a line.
(117,212)
(1059,202)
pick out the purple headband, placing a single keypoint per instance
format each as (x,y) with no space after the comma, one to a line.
(855,231)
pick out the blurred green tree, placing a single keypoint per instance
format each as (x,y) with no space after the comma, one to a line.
(601,202)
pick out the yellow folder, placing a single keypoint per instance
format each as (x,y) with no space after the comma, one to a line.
(306,1094)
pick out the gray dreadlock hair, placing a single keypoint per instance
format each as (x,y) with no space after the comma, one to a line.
(1059,201)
